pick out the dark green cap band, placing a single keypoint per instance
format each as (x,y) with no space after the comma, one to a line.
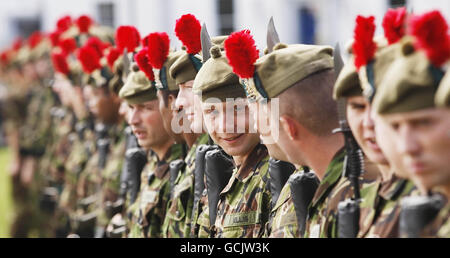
(227,91)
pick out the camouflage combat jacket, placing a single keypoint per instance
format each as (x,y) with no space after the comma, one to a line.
(110,178)
(332,189)
(244,204)
(179,214)
(35,132)
(150,206)
(440,227)
(380,207)
(81,150)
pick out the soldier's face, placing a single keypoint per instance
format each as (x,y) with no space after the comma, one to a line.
(262,124)
(185,101)
(102,104)
(422,144)
(123,110)
(62,87)
(359,117)
(228,124)
(147,124)
(166,110)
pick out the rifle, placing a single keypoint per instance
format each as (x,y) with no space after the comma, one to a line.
(303,187)
(348,210)
(417,212)
(199,176)
(219,168)
(279,172)
(124,187)
(174,169)
(136,159)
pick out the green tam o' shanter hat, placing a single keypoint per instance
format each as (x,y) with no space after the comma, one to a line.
(347,84)
(442,98)
(185,68)
(216,78)
(285,66)
(162,77)
(137,88)
(409,85)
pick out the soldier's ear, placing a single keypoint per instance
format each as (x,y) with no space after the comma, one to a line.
(288,126)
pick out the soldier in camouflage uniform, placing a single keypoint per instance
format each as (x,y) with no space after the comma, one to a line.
(35,130)
(408,117)
(309,125)
(244,204)
(178,221)
(149,210)
(380,208)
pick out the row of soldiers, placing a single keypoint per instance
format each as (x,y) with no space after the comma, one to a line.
(118,136)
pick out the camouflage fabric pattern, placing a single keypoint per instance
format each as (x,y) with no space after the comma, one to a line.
(204,227)
(283,221)
(34,134)
(323,209)
(334,188)
(244,204)
(76,162)
(177,223)
(110,177)
(440,227)
(380,207)
(151,205)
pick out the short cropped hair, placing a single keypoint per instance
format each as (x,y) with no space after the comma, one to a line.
(310,102)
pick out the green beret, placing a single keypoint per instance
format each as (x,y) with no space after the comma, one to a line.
(216,78)
(185,68)
(442,98)
(162,77)
(138,88)
(409,84)
(347,84)
(285,66)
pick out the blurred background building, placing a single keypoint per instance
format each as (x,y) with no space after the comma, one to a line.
(297,21)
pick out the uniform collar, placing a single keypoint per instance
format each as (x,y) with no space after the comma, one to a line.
(332,176)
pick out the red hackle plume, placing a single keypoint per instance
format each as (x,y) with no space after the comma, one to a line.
(68,45)
(394,24)
(158,48)
(431,33)
(143,63)
(4,57)
(64,23)
(54,37)
(84,22)
(89,59)
(127,37)
(35,39)
(17,44)
(187,29)
(363,46)
(97,44)
(60,63)
(112,56)
(241,53)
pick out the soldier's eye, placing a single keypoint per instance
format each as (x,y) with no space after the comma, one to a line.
(357,106)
